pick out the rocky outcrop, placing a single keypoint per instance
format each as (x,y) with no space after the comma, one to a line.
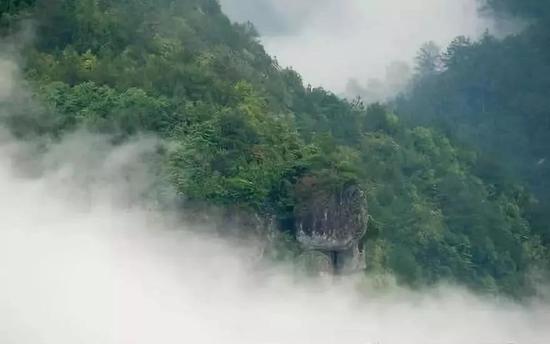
(334,224)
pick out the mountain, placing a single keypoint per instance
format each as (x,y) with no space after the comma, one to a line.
(241,133)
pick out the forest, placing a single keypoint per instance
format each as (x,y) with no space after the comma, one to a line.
(455,169)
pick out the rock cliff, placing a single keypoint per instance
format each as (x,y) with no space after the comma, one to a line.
(335,223)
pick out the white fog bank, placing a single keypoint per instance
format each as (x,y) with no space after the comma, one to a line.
(81,264)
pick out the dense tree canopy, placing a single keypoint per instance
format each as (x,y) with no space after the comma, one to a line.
(493,95)
(240,131)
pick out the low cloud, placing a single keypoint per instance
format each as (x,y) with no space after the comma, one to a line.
(8,70)
(79,269)
(332,41)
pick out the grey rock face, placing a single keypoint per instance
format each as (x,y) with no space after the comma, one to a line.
(335,225)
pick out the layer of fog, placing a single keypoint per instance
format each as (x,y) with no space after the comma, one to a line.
(83,259)
(80,264)
(331,42)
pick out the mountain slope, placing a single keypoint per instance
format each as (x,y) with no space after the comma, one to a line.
(240,132)
(493,94)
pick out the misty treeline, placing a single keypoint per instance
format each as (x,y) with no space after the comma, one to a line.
(241,133)
(493,96)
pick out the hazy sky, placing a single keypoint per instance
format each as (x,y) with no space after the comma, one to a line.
(331,41)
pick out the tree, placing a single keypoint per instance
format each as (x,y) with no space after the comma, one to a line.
(428,60)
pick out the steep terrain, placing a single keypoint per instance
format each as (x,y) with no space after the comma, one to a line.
(241,133)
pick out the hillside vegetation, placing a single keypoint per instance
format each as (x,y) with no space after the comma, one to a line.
(493,96)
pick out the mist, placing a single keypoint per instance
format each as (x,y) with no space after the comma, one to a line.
(331,42)
(79,266)
(85,259)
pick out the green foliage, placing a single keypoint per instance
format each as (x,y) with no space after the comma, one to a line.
(239,155)
(492,94)
(105,110)
(239,131)
(11,12)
